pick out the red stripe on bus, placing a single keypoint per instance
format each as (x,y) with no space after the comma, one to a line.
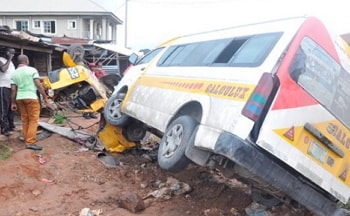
(290,94)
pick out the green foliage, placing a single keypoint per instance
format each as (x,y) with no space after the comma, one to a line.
(59,119)
(5,151)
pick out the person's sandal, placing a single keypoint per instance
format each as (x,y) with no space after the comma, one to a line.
(21,138)
(7,133)
(34,147)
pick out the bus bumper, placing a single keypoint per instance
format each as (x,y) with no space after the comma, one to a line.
(248,156)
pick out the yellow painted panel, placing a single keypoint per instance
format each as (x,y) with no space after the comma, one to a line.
(319,152)
(113,140)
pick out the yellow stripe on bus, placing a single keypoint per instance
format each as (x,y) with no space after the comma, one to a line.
(227,90)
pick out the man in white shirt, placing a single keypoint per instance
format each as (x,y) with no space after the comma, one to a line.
(6,115)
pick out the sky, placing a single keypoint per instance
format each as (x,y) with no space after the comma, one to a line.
(148,23)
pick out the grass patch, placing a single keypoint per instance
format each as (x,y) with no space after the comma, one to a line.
(5,151)
(59,119)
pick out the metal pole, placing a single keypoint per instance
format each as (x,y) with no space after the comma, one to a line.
(126,24)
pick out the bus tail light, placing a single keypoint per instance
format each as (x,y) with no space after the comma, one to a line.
(258,99)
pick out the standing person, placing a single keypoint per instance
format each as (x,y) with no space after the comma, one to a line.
(24,86)
(6,114)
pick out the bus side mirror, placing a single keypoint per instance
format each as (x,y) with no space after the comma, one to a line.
(133,58)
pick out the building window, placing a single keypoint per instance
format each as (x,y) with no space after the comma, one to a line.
(36,24)
(22,25)
(49,27)
(72,24)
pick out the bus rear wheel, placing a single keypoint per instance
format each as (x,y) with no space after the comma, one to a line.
(171,152)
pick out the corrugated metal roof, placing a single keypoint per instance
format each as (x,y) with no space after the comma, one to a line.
(69,40)
(23,40)
(115,48)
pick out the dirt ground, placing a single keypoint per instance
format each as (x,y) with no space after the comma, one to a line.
(64,178)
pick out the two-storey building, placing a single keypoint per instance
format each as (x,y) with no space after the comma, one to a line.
(71,18)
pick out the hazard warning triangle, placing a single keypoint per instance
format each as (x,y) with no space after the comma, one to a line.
(290,133)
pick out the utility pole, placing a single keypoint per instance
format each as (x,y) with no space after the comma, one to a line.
(126,24)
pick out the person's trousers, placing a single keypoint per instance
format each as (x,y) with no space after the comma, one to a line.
(6,114)
(30,114)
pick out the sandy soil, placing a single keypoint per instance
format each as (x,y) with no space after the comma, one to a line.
(65,178)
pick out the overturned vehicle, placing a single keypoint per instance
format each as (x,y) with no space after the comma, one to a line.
(76,87)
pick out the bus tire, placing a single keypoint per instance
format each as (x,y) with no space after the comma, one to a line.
(172,147)
(112,110)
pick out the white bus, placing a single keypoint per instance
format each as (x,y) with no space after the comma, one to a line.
(267,102)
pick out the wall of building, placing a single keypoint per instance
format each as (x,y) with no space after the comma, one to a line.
(70,26)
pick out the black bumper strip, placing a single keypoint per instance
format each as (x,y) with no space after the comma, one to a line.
(254,160)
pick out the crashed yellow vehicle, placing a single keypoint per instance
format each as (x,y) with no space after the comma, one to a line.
(76,87)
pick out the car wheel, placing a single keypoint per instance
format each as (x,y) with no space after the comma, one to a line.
(171,152)
(134,132)
(112,112)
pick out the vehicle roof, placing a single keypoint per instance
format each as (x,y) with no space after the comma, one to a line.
(282,25)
